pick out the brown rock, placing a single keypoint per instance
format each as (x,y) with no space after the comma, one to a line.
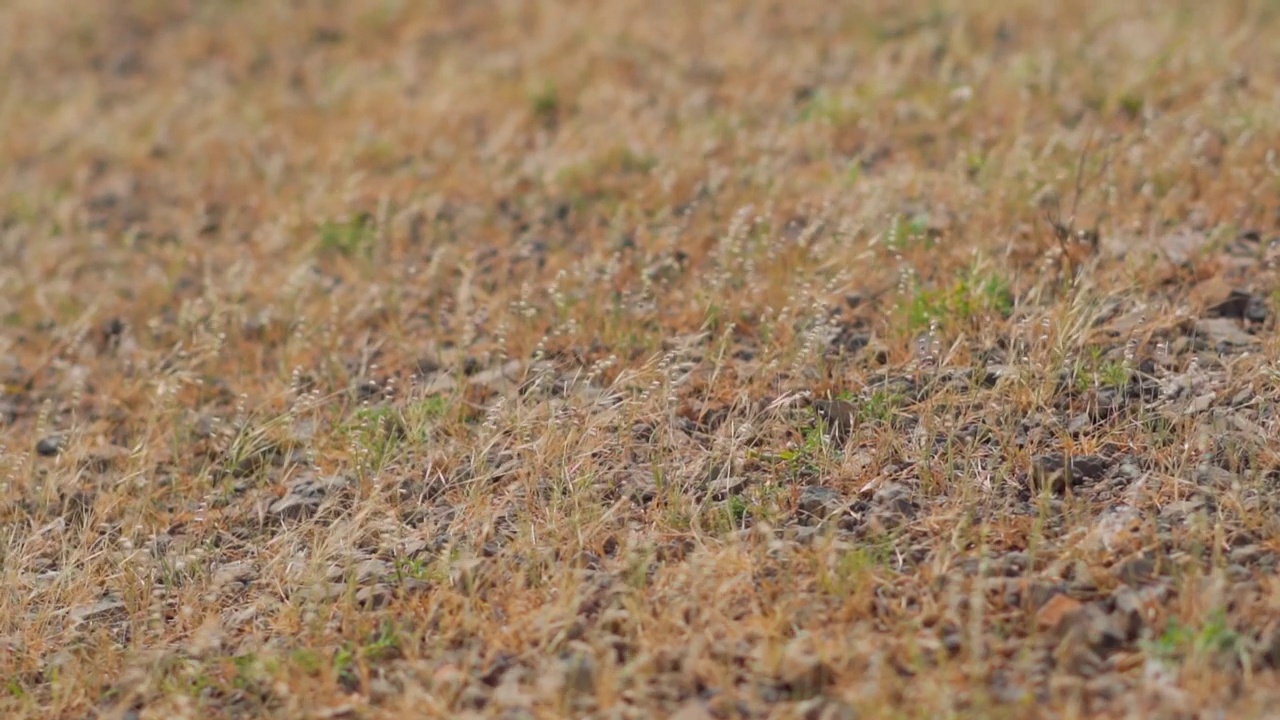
(1135,609)
(105,457)
(1056,473)
(1224,332)
(692,710)
(108,609)
(1055,614)
(802,671)
(839,416)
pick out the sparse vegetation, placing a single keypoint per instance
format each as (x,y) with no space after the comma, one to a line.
(384,359)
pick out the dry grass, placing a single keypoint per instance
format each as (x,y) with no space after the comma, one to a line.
(398,359)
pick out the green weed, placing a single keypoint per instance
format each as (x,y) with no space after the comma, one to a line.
(354,238)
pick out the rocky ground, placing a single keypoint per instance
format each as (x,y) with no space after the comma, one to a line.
(631,360)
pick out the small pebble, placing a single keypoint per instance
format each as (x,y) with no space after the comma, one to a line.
(49,445)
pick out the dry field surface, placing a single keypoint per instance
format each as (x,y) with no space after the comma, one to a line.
(635,359)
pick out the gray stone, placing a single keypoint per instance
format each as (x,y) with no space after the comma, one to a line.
(821,502)
(49,445)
